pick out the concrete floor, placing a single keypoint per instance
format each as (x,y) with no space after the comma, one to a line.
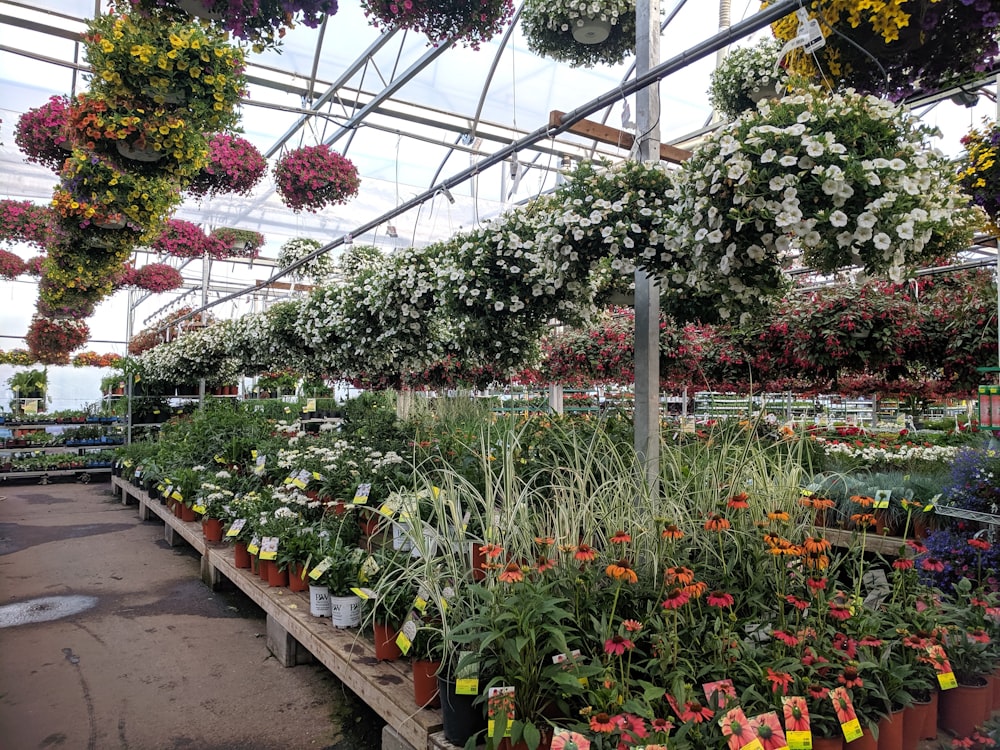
(158,661)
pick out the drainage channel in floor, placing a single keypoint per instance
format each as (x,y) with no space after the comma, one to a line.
(44,609)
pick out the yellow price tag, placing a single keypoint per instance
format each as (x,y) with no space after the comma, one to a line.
(253,454)
(299,483)
(253,549)
(363,592)
(852,730)
(237,527)
(880,504)
(177,496)
(420,604)
(753,744)
(317,476)
(321,568)
(386,510)
(467,686)
(947,680)
(799,740)
(404,643)
(199,509)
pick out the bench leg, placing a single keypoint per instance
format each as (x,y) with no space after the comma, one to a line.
(288,651)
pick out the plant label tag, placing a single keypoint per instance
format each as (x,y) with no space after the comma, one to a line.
(404,643)
(237,527)
(500,703)
(767,727)
(219,459)
(361,494)
(799,740)
(362,592)
(177,496)
(254,547)
(253,454)
(369,568)
(199,509)
(844,709)
(947,680)
(269,548)
(719,692)
(321,567)
(467,686)
(882,498)
(310,405)
(387,510)
(420,604)
(798,729)
(258,466)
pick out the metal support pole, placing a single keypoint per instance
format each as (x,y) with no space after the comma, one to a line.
(647,293)
(206,272)
(129,376)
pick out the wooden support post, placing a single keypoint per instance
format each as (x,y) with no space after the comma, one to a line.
(288,651)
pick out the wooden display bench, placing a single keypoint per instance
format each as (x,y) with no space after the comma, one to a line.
(296,637)
(888,546)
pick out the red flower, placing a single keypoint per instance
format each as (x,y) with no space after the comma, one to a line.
(717,522)
(816,584)
(632,626)
(902,563)
(799,604)
(839,611)
(738,502)
(786,638)
(780,681)
(719,599)
(980,544)
(604,724)
(617,645)
(932,564)
(585,553)
(850,677)
(695,712)
(676,598)
(512,573)
(621,537)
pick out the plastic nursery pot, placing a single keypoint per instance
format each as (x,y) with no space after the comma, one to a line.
(296,577)
(460,718)
(254,565)
(241,558)
(262,567)
(890,731)
(425,689)
(386,648)
(828,743)
(345,611)
(319,600)
(187,514)
(962,709)
(276,577)
(211,528)
(930,730)
(867,741)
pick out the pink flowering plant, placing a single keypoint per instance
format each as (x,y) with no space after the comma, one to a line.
(51,340)
(24,221)
(157,277)
(471,23)
(238,243)
(234,166)
(183,239)
(312,177)
(41,133)
(11,265)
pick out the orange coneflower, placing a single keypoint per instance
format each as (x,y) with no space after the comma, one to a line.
(815,545)
(863,519)
(717,522)
(771,539)
(491,550)
(621,537)
(544,541)
(679,575)
(512,573)
(738,502)
(670,531)
(816,562)
(778,515)
(622,571)
(696,589)
(543,563)
(862,500)
(585,553)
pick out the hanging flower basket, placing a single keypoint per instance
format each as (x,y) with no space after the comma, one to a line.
(261,22)
(157,277)
(182,62)
(238,243)
(182,239)
(745,76)
(24,221)
(578,33)
(313,177)
(896,49)
(980,168)
(50,340)
(471,23)
(11,265)
(805,175)
(316,270)
(42,135)
(234,166)
(96,190)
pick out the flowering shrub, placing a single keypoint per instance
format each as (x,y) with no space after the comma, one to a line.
(51,340)
(171,61)
(916,45)
(442,20)
(42,135)
(980,171)
(744,75)
(260,22)
(975,481)
(157,277)
(843,179)
(234,166)
(317,269)
(183,239)
(312,177)
(237,243)
(11,265)
(952,554)
(33,265)
(898,455)
(549,27)
(24,221)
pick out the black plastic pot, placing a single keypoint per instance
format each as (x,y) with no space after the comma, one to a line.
(461,719)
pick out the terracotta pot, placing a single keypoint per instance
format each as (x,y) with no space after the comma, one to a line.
(930,718)
(212,529)
(187,514)
(177,509)
(254,565)
(263,566)
(385,643)
(369,525)
(914,718)
(962,709)
(296,577)
(241,557)
(276,577)
(890,731)
(425,688)
(828,743)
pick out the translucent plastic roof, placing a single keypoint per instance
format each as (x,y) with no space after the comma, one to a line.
(445,110)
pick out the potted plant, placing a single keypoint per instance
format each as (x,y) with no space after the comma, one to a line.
(918,45)
(42,135)
(261,22)
(235,167)
(979,175)
(580,34)
(316,270)
(29,384)
(50,340)
(313,177)
(24,221)
(185,65)
(393,600)
(443,20)
(239,243)
(157,278)
(11,265)
(745,76)
(182,239)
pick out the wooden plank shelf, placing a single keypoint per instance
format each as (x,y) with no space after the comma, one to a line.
(387,687)
(883,545)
